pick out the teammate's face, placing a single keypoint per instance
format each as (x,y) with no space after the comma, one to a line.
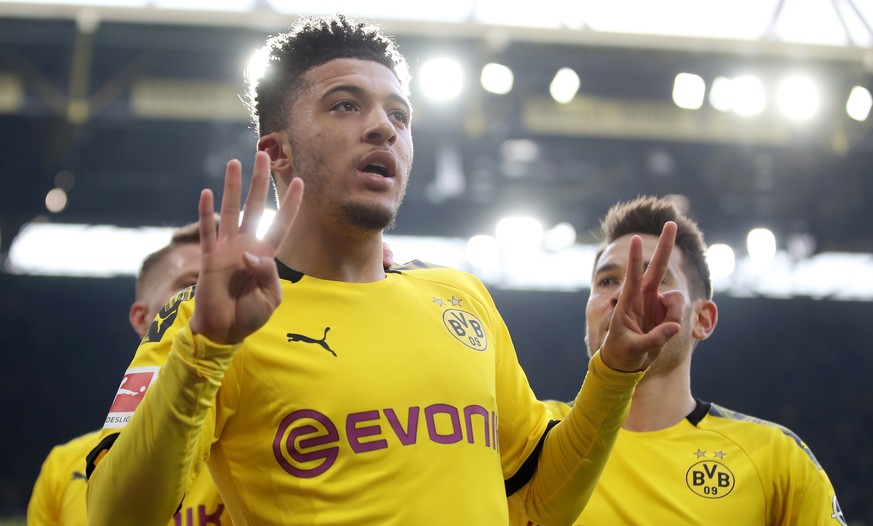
(350,141)
(176,271)
(606,284)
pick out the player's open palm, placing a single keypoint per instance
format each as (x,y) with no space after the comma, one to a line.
(238,288)
(644,318)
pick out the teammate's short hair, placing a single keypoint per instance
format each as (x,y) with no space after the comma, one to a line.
(647,215)
(185,235)
(310,42)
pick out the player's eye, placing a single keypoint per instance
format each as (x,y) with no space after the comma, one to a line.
(345,106)
(400,116)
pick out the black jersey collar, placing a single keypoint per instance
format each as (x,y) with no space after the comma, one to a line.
(287,273)
(700,411)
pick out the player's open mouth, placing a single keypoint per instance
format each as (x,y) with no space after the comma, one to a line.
(379,162)
(376,168)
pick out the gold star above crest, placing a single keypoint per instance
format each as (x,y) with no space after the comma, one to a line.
(720,454)
(700,453)
(439,302)
(455,302)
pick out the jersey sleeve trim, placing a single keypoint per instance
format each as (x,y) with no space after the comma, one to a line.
(97,453)
(526,471)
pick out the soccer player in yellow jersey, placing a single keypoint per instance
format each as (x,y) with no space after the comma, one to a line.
(322,389)
(58,497)
(678,459)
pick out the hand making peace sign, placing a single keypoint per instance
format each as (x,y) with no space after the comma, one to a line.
(644,318)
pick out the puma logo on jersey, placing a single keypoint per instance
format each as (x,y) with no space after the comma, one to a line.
(294,337)
(78,475)
(163,320)
(167,315)
(160,320)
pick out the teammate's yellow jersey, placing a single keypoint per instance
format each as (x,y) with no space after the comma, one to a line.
(715,467)
(58,497)
(394,402)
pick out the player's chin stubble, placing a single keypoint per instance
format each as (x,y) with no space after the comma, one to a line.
(368,217)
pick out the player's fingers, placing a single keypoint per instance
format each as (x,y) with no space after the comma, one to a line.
(230,198)
(206,226)
(253,209)
(263,269)
(656,338)
(284,218)
(387,256)
(633,274)
(674,305)
(660,261)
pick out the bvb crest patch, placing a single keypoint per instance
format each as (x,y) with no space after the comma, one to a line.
(710,479)
(466,328)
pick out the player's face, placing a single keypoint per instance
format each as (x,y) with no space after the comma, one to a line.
(350,140)
(176,271)
(606,284)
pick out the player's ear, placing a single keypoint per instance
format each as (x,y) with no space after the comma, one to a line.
(278,147)
(137,318)
(706,319)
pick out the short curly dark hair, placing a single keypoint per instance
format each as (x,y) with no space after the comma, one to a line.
(309,42)
(647,215)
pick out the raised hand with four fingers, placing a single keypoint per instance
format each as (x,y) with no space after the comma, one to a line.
(238,288)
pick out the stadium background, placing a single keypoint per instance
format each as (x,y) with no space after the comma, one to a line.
(132,110)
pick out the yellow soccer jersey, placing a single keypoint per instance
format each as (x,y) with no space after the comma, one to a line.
(59,492)
(58,496)
(714,467)
(363,403)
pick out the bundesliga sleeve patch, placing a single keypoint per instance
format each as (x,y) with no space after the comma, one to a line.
(130,393)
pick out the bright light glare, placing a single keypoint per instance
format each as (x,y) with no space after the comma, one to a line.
(441,79)
(457,11)
(519,233)
(56,200)
(109,3)
(257,64)
(265,222)
(748,95)
(483,252)
(721,94)
(206,5)
(104,250)
(798,98)
(813,22)
(688,91)
(559,237)
(565,85)
(761,244)
(721,260)
(497,78)
(83,250)
(859,103)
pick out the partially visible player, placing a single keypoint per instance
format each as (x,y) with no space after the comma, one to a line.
(58,497)
(679,459)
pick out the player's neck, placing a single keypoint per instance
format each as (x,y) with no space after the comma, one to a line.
(661,401)
(332,254)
